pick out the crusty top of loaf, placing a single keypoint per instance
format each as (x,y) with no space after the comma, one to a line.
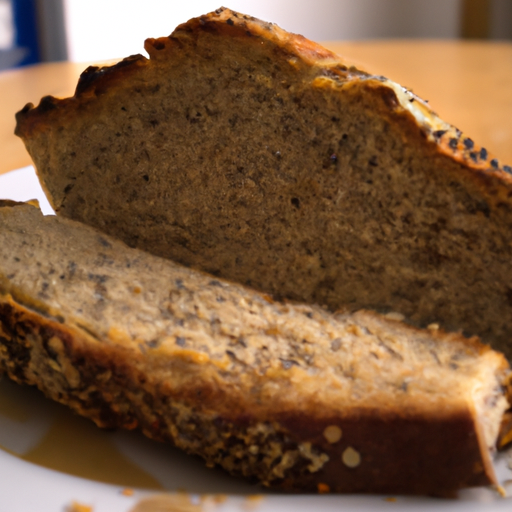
(325,69)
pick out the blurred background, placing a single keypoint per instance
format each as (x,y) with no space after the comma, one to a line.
(34,31)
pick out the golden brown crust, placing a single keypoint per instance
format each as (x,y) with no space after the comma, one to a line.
(378,452)
(486,169)
(293,396)
(95,80)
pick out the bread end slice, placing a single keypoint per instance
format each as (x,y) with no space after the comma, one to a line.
(289,395)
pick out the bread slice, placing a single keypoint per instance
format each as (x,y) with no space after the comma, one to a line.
(291,395)
(259,156)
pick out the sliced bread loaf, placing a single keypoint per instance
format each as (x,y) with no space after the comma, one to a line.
(291,395)
(259,156)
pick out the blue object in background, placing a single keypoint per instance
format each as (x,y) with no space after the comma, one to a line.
(26,31)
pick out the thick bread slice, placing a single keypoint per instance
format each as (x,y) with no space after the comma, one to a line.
(291,395)
(259,156)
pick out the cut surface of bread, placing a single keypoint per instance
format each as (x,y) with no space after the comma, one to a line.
(258,156)
(290,395)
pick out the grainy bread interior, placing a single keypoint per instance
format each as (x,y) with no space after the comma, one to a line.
(259,156)
(287,394)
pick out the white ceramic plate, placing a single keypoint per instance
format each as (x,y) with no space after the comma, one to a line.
(50,459)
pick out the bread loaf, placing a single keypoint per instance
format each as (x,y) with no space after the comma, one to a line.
(290,395)
(259,156)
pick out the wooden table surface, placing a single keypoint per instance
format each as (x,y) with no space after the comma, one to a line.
(469,84)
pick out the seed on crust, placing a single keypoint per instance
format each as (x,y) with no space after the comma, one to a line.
(394,315)
(351,458)
(332,433)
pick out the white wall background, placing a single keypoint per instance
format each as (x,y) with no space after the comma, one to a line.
(109,29)
(6,28)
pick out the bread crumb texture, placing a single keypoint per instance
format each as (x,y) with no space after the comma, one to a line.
(286,394)
(261,157)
